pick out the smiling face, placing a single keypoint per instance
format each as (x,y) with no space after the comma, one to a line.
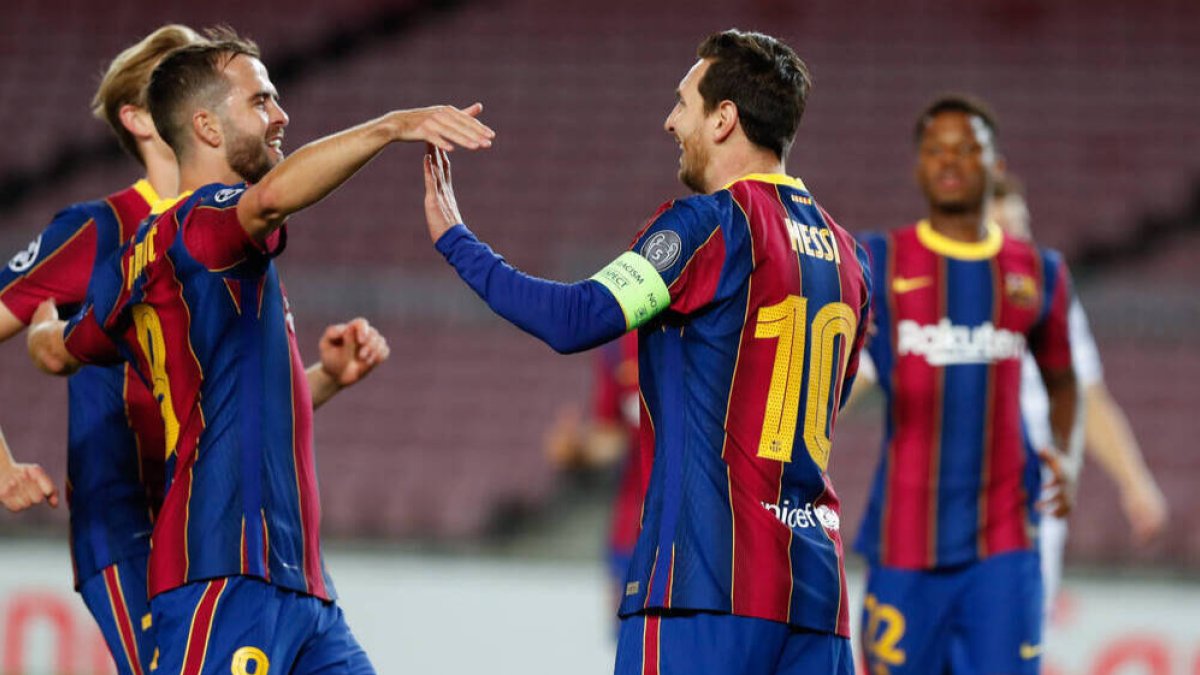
(251,119)
(956,159)
(687,124)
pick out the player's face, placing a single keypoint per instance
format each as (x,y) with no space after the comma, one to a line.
(955,162)
(253,121)
(686,124)
(1011,214)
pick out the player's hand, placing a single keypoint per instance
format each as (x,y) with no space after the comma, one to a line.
(1146,509)
(441,208)
(45,341)
(1060,490)
(444,126)
(563,440)
(350,351)
(26,485)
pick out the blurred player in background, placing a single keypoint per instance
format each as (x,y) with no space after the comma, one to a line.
(610,438)
(951,526)
(194,302)
(751,307)
(1107,435)
(115,433)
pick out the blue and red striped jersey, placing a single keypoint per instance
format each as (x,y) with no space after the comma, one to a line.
(741,381)
(114,431)
(957,480)
(198,308)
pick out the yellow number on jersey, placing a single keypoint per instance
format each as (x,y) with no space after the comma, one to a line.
(786,322)
(882,645)
(242,659)
(154,346)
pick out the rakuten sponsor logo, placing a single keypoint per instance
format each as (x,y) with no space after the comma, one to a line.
(945,344)
(804,517)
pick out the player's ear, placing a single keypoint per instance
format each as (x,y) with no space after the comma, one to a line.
(207,128)
(725,120)
(137,121)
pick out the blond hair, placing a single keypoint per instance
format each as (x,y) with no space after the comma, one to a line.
(124,82)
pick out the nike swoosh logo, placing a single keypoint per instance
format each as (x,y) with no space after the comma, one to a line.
(901,285)
(1029,652)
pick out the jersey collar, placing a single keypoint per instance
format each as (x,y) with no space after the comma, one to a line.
(773,178)
(976,250)
(157,203)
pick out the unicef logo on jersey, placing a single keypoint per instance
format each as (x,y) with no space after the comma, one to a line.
(22,261)
(662,249)
(804,517)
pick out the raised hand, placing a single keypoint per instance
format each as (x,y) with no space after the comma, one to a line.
(441,208)
(445,127)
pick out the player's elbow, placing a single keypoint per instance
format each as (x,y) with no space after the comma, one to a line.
(262,209)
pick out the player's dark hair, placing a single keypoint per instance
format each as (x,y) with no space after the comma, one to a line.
(960,103)
(764,78)
(192,77)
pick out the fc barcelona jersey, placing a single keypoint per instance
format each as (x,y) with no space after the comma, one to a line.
(741,380)
(114,432)
(197,308)
(958,480)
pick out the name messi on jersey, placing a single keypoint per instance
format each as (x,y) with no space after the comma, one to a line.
(815,242)
(945,344)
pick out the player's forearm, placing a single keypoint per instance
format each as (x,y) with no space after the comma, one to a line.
(321,384)
(1110,439)
(311,173)
(568,317)
(1063,393)
(48,349)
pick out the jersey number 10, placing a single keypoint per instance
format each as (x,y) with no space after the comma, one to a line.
(786,322)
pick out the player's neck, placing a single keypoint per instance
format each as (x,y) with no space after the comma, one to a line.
(968,226)
(161,171)
(725,170)
(206,169)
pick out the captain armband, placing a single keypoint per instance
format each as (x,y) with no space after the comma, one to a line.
(637,286)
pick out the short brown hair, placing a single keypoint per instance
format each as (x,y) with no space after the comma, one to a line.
(189,76)
(124,82)
(764,78)
(960,103)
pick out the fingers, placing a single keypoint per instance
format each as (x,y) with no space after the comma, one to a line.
(448,127)
(474,109)
(334,334)
(46,311)
(43,484)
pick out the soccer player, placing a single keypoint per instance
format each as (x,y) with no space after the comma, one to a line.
(114,436)
(1106,432)
(194,303)
(751,305)
(950,529)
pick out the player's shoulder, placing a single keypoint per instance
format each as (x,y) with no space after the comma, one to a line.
(218,196)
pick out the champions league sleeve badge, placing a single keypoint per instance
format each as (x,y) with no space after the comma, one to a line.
(22,261)
(662,249)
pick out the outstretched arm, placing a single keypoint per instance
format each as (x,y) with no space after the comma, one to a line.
(317,169)
(1109,438)
(568,317)
(349,352)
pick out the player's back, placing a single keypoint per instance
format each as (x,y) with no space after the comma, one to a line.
(114,435)
(742,379)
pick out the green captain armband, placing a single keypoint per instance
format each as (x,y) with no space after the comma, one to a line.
(637,286)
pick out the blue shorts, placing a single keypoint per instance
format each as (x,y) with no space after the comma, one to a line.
(245,626)
(706,643)
(984,618)
(116,597)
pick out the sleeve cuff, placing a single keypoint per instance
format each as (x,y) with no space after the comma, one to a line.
(445,243)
